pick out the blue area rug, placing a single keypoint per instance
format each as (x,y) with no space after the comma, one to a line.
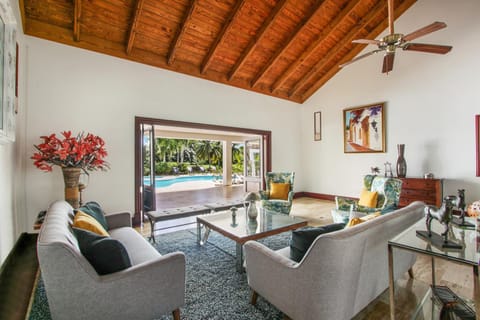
(214,289)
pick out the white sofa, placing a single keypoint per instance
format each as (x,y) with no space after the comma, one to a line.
(341,273)
(152,286)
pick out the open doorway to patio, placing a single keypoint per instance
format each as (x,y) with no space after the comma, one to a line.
(195,163)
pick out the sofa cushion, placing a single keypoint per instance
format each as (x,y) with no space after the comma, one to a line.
(368,199)
(87,222)
(279,190)
(303,238)
(106,255)
(93,209)
(138,249)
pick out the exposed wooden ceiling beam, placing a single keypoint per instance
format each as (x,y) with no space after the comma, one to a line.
(288,42)
(133,28)
(374,33)
(221,35)
(77,13)
(257,39)
(320,38)
(347,39)
(180,32)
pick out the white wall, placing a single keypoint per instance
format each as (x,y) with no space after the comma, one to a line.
(78,90)
(430,99)
(11,186)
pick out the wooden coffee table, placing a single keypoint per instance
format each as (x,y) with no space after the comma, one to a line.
(241,229)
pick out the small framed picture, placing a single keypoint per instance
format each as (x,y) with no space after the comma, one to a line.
(317,126)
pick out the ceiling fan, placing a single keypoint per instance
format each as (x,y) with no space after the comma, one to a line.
(394,41)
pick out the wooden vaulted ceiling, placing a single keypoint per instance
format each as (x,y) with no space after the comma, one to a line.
(283,48)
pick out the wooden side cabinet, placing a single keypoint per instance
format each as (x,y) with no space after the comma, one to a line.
(429,191)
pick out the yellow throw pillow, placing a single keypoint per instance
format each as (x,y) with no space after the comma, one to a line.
(279,190)
(87,222)
(368,199)
(355,221)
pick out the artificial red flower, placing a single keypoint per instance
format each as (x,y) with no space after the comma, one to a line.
(83,151)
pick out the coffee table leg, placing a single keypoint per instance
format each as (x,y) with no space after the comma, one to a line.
(391,283)
(239,257)
(201,241)
(199,232)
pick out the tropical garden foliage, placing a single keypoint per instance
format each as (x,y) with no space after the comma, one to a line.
(182,156)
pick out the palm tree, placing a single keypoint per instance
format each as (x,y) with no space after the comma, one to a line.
(237,152)
(209,150)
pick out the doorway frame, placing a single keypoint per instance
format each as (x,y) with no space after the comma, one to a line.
(265,134)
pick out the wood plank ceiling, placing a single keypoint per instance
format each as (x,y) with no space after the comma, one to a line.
(283,48)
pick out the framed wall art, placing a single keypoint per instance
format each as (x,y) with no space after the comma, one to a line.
(317,126)
(477,141)
(7,72)
(364,129)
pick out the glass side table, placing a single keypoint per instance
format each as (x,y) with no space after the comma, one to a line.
(469,255)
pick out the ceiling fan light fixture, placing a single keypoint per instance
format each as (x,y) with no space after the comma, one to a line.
(392,41)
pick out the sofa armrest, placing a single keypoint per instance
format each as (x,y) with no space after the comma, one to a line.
(291,194)
(258,254)
(345,204)
(264,195)
(163,269)
(118,219)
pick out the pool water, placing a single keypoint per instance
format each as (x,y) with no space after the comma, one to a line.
(161,182)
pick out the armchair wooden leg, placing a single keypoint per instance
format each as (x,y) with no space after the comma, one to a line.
(176,314)
(253,300)
(410,273)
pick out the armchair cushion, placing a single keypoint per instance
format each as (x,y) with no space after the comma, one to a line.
(368,199)
(279,190)
(87,222)
(303,238)
(106,255)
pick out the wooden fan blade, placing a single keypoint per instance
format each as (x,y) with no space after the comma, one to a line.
(430,48)
(367,41)
(359,57)
(388,62)
(425,30)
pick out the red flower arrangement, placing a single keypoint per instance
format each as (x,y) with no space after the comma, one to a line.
(83,151)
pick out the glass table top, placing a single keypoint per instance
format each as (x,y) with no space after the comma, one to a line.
(242,227)
(469,238)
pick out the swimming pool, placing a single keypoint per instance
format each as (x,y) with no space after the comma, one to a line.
(162,182)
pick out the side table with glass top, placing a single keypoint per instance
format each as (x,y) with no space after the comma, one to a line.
(469,255)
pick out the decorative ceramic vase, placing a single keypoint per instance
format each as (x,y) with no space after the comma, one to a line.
(71,177)
(252,211)
(401,163)
(252,226)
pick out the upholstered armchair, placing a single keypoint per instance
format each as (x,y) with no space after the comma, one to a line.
(387,192)
(278,195)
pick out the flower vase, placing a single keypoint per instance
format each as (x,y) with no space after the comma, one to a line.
(71,177)
(401,163)
(252,211)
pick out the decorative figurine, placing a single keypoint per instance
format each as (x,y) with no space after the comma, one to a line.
(388,169)
(461,205)
(444,216)
(234,216)
(251,198)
